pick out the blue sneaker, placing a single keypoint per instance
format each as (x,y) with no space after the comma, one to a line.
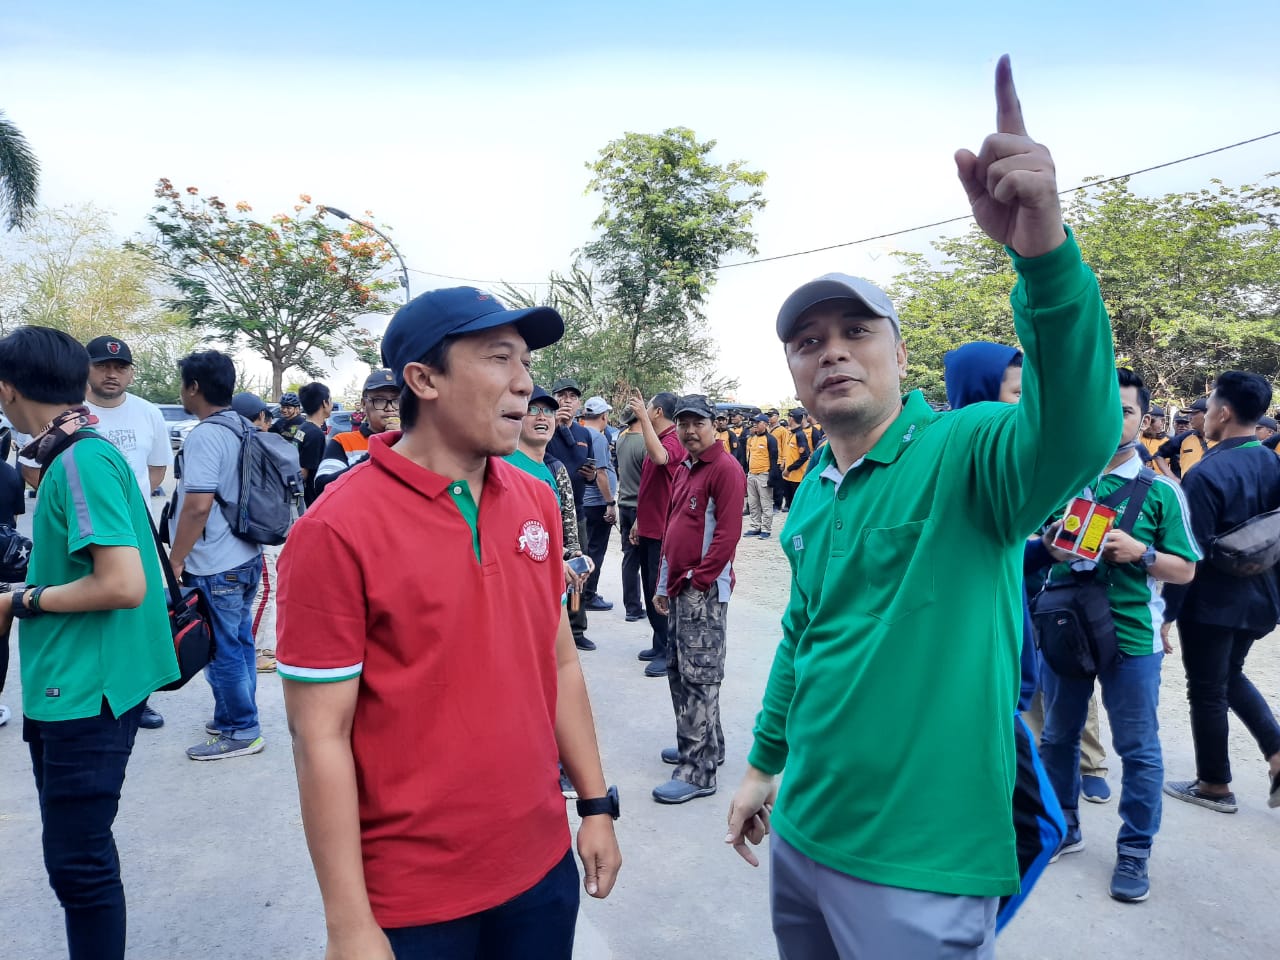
(751,533)
(1129,881)
(678,791)
(1095,789)
(1073,842)
(765,536)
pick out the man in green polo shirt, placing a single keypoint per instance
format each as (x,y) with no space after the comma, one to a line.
(890,702)
(1160,547)
(94,635)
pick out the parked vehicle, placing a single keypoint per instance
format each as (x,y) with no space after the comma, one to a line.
(180,423)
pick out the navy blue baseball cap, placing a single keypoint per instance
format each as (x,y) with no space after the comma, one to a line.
(430,317)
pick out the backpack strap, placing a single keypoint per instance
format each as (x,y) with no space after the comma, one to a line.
(243,434)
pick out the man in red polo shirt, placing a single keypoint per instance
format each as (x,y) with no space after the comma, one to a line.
(701,538)
(663,454)
(429,707)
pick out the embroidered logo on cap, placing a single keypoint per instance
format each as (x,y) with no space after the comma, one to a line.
(113,347)
(534,540)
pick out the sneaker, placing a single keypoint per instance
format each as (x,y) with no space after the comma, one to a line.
(657,667)
(671,755)
(597,603)
(1189,790)
(678,791)
(1129,881)
(1095,789)
(751,533)
(1273,798)
(1073,842)
(582,643)
(212,730)
(221,747)
(150,720)
(633,617)
(266,662)
(566,787)
(4,714)
(648,653)
(765,535)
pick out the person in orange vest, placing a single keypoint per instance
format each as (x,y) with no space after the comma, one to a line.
(1178,455)
(794,456)
(1154,433)
(781,435)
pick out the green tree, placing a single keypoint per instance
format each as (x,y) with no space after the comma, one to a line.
(670,217)
(19,175)
(291,290)
(1191,281)
(68,271)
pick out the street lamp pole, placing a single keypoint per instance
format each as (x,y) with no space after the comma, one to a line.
(404,271)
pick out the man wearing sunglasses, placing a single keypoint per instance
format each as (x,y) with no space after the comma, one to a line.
(380,402)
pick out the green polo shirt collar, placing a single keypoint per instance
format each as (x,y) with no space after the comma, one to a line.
(916,412)
(460,491)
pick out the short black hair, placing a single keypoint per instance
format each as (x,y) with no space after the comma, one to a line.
(45,365)
(313,396)
(1128,378)
(1016,361)
(437,357)
(666,402)
(214,372)
(1247,394)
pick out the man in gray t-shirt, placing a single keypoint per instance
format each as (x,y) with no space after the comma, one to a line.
(209,557)
(630,452)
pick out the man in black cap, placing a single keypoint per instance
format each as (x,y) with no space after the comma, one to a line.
(1267,428)
(459,581)
(694,582)
(136,428)
(251,407)
(1184,450)
(1155,431)
(291,417)
(380,403)
(571,445)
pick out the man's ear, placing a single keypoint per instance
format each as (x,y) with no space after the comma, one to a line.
(901,349)
(422,380)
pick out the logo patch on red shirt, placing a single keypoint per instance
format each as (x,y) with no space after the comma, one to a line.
(534,540)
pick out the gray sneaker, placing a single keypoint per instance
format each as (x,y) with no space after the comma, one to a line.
(1189,790)
(212,730)
(222,746)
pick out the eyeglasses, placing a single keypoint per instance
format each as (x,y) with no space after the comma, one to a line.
(385,403)
(540,412)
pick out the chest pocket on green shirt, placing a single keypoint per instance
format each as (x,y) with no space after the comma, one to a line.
(898,575)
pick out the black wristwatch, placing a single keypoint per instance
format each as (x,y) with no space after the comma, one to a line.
(20,610)
(601,805)
(1149,558)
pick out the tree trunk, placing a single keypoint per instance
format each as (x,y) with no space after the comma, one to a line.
(277,381)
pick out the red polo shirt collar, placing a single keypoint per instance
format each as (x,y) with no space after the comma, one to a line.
(417,477)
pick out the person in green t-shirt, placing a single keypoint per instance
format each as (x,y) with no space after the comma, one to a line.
(1160,547)
(94,629)
(890,700)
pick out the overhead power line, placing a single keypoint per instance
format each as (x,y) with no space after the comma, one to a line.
(905,230)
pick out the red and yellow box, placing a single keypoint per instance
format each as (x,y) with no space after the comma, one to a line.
(1083,527)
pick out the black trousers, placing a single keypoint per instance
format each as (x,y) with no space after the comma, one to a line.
(789,488)
(596,547)
(650,560)
(631,598)
(1213,658)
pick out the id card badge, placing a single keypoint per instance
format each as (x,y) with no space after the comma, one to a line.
(1083,526)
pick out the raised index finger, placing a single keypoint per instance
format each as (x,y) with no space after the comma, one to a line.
(1008,109)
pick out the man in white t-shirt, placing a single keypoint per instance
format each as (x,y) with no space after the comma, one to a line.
(134,426)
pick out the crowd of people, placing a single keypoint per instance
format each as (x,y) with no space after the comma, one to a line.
(948,622)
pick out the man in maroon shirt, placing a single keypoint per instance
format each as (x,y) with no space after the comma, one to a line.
(703,527)
(663,454)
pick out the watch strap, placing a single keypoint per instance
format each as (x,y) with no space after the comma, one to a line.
(599,806)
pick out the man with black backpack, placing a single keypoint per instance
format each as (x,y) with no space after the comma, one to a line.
(1222,614)
(94,637)
(1150,542)
(225,567)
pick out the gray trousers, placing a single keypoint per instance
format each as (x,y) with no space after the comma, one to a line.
(822,914)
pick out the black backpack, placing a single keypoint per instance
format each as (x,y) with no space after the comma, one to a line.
(1072,618)
(269,492)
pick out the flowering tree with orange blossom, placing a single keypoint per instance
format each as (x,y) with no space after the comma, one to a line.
(292,290)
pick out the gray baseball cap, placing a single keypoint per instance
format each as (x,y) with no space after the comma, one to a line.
(835,286)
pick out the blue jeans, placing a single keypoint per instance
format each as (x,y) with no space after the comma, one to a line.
(233,672)
(1131,694)
(79,770)
(537,925)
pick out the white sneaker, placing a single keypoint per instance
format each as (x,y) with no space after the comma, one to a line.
(4,714)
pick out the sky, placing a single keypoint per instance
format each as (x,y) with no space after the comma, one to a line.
(466,128)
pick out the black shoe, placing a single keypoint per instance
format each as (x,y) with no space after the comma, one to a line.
(582,643)
(633,617)
(648,653)
(671,755)
(150,720)
(657,667)
(597,603)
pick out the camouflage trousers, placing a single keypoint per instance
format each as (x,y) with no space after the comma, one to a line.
(695,668)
